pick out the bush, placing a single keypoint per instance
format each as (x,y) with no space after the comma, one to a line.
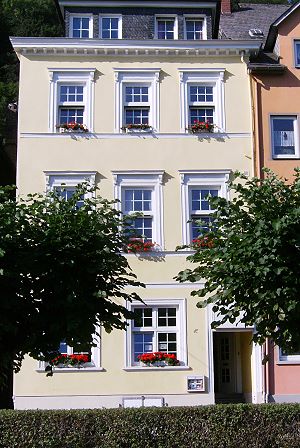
(220,426)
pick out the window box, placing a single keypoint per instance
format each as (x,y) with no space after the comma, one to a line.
(158,359)
(72,127)
(201,127)
(202,243)
(138,245)
(63,361)
(132,128)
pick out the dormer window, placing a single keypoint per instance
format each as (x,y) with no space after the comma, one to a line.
(194,28)
(81,26)
(166,28)
(111,27)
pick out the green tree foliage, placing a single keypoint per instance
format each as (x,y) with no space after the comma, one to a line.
(21,18)
(62,274)
(252,265)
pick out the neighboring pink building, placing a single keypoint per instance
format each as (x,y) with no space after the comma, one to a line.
(275,83)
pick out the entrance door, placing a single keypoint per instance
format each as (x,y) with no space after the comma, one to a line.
(225,363)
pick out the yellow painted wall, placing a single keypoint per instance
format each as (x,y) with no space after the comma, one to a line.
(246,350)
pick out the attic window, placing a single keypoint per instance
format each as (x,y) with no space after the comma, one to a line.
(256,32)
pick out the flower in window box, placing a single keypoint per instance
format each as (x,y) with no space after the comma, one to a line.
(139,245)
(73,126)
(64,360)
(136,127)
(200,126)
(202,243)
(158,359)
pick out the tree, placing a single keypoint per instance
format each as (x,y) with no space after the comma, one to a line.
(62,274)
(250,261)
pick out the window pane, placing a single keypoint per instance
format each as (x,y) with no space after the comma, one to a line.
(136,116)
(200,225)
(143,343)
(167,317)
(165,29)
(201,94)
(110,27)
(71,94)
(63,348)
(202,115)
(167,343)
(194,29)
(68,115)
(143,317)
(143,228)
(283,136)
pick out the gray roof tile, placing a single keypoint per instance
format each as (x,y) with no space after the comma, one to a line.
(251,15)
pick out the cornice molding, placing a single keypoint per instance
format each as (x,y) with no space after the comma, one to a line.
(38,46)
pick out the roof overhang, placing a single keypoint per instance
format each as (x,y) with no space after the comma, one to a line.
(266,69)
(273,31)
(92,47)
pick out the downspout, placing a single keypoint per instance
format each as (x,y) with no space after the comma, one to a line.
(254,102)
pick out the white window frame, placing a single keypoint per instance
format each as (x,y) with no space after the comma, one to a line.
(208,77)
(296,126)
(289,359)
(69,179)
(78,15)
(84,77)
(297,44)
(166,16)
(201,179)
(110,16)
(196,18)
(143,77)
(180,304)
(148,180)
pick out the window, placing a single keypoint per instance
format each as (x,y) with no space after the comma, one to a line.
(166,27)
(142,192)
(71,97)
(297,53)
(140,200)
(81,26)
(65,183)
(137,99)
(285,137)
(201,103)
(202,98)
(194,28)
(291,357)
(196,188)
(158,326)
(136,105)
(111,27)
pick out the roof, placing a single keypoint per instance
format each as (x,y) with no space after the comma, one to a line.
(250,16)
(273,32)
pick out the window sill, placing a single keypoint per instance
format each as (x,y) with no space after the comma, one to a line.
(288,362)
(71,370)
(158,368)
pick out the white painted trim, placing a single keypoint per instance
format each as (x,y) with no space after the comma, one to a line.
(296,44)
(166,16)
(181,325)
(83,15)
(130,3)
(140,179)
(111,16)
(85,77)
(213,78)
(40,46)
(147,77)
(257,374)
(202,17)
(175,285)
(218,179)
(89,136)
(68,178)
(210,351)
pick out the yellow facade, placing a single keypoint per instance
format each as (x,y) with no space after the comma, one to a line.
(105,152)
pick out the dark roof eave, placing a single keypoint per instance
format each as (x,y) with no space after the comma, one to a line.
(274,69)
(61,18)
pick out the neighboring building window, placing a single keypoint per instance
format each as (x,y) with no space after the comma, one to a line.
(71,98)
(166,28)
(142,193)
(201,103)
(202,98)
(288,356)
(157,327)
(195,28)
(297,53)
(111,27)
(137,99)
(285,136)
(81,26)
(196,188)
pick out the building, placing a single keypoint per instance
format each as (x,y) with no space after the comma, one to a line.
(140,78)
